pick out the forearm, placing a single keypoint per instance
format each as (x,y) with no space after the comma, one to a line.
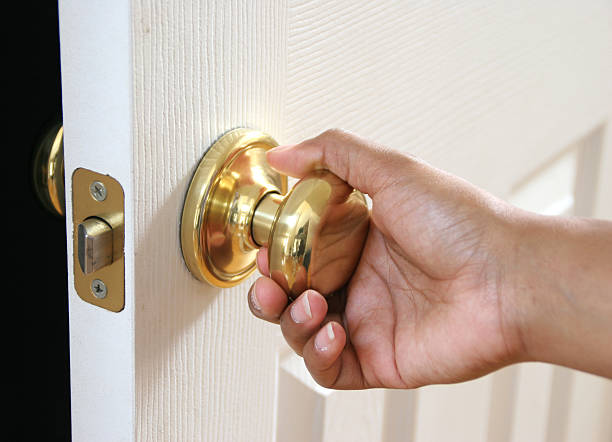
(563,291)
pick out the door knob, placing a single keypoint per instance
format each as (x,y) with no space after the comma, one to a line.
(48,170)
(236,203)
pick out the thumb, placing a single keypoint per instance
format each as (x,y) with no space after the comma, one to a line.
(364,165)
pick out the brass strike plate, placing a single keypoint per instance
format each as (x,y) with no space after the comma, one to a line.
(99,196)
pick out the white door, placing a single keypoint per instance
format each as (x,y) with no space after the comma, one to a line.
(513,96)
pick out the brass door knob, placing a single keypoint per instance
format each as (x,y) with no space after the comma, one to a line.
(236,203)
(48,170)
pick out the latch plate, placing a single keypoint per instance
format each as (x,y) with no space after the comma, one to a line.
(86,205)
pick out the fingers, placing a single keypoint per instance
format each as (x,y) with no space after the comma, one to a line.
(302,319)
(330,362)
(299,322)
(267,300)
(262,261)
(362,164)
(308,330)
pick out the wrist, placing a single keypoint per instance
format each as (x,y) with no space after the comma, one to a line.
(533,284)
(560,309)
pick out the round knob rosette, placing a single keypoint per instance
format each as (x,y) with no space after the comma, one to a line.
(236,203)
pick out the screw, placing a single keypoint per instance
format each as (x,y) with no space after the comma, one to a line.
(98,288)
(98,191)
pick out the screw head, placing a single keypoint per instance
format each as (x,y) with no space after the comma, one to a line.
(98,288)
(98,191)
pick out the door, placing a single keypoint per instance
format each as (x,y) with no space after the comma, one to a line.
(512,97)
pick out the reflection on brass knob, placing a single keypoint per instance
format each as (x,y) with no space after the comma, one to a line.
(48,170)
(236,203)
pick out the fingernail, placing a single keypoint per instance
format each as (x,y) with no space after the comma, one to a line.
(300,310)
(253,296)
(325,337)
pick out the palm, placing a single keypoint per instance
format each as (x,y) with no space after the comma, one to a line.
(421,309)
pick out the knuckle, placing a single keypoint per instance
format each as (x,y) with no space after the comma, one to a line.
(325,383)
(335,133)
(294,344)
(325,377)
(320,374)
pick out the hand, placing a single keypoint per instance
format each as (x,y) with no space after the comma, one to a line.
(434,296)
(425,304)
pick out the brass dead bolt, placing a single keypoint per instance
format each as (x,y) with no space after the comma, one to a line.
(236,203)
(94,244)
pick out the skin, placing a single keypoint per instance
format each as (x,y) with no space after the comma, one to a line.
(453,283)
